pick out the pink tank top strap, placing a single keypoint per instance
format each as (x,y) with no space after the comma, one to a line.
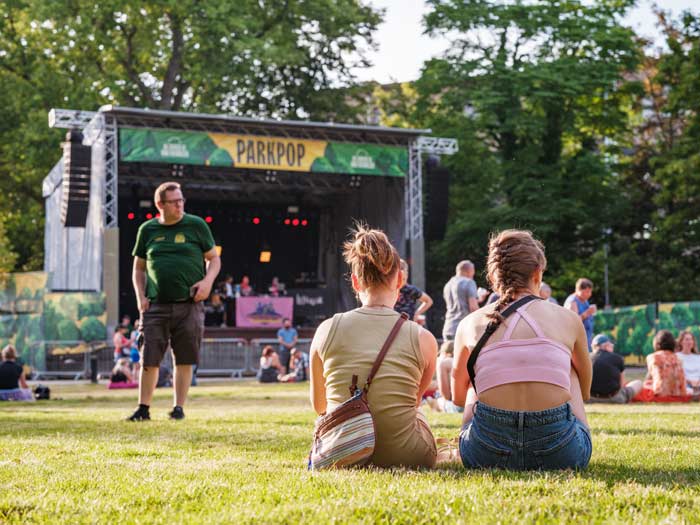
(530,320)
(511,326)
(521,313)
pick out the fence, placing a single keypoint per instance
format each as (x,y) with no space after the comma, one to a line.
(224,356)
(69,359)
(234,357)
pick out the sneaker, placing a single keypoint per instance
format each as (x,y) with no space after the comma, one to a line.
(140,415)
(177,413)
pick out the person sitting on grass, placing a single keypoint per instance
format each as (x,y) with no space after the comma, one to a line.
(608,384)
(13,384)
(299,367)
(121,373)
(665,379)
(270,366)
(687,352)
(525,409)
(444,379)
(348,344)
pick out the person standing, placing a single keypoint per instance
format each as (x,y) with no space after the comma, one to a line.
(410,296)
(460,298)
(287,337)
(229,302)
(171,254)
(578,303)
(608,384)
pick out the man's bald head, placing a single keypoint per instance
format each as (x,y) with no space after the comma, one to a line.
(465,268)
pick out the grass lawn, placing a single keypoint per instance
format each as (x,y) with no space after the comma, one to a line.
(240,457)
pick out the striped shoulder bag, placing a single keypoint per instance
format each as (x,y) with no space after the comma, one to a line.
(346,436)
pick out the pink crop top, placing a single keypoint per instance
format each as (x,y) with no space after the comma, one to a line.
(537,359)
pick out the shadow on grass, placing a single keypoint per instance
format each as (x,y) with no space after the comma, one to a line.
(646,432)
(669,477)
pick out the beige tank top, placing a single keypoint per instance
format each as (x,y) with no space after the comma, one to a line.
(353,344)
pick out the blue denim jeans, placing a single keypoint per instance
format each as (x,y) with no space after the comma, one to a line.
(548,439)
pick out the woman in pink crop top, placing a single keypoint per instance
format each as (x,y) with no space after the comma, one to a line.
(532,375)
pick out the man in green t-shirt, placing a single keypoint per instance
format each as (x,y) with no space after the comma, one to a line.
(175,264)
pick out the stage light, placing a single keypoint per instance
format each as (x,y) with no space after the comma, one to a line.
(149,215)
(304,222)
(157,215)
(287,221)
(265,256)
(218,250)
(256,220)
(295,222)
(208,219)
(131,216)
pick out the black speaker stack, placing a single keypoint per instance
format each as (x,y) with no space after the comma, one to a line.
(437,186)
(77,161)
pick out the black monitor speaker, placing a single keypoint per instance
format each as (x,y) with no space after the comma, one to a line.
(77,161)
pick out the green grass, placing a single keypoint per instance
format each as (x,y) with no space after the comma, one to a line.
(240,457)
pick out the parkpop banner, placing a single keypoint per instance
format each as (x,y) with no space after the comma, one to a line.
(263,311)
(261,152)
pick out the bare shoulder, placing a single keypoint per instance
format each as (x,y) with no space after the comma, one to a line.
(426,339)
(472,326)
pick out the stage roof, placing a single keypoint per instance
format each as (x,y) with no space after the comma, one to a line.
(150,118)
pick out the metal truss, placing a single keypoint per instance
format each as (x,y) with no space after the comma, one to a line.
(111,180)
(414,182)
(264,128)
(70,118)
(437,145)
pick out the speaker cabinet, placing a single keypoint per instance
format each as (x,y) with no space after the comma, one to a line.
(77,161)
(437,187)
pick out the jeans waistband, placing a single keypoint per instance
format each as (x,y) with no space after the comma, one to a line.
(520,419)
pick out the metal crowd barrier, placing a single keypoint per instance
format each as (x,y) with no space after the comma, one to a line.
(66,358)
(257,345)
(228,356)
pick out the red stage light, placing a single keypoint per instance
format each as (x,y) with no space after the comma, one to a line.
(287,221)
(149,215)
(304,222)
(130,216)
(256,220)
(295,222)
(208,219)
(157,215)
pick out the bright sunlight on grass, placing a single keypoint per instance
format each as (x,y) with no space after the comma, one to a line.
(240,457)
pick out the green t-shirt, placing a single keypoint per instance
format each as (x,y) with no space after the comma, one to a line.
(174,256)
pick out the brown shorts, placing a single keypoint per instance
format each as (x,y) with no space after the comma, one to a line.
(179,325)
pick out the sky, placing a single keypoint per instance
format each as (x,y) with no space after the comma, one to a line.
(402,47)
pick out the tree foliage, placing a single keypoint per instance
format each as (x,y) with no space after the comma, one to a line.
(532,91)
(254,57)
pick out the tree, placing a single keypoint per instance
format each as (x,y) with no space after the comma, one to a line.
(534,93)
(249,57)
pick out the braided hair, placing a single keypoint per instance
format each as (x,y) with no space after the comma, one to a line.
(514,255)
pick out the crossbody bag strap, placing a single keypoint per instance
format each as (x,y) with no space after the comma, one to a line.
(490,329)
(382,353)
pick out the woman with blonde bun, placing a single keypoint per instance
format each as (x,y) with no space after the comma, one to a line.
(531,372)
(348,344)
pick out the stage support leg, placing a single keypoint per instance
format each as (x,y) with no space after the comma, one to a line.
(110,276)
(417,255)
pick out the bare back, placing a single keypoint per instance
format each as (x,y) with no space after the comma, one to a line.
(559,325)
